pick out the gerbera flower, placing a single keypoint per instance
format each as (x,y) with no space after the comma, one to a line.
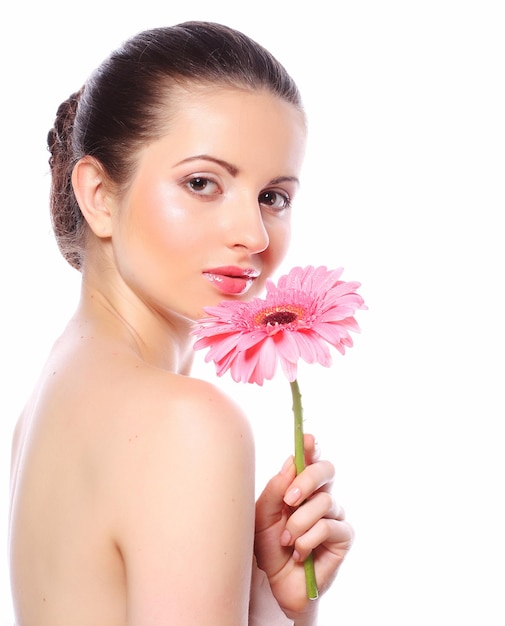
(309,308)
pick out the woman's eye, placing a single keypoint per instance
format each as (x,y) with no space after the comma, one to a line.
(202,186)
(275,200)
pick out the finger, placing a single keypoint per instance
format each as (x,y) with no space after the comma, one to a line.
(312,478)
(270,503)
(321,505)
(311,449)
(335,535)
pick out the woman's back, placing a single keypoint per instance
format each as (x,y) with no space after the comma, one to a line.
(96,472)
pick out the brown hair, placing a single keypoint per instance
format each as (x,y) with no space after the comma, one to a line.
(122,106)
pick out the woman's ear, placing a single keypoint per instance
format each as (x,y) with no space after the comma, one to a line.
(90,188)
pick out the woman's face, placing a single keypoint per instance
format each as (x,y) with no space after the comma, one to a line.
(207,215)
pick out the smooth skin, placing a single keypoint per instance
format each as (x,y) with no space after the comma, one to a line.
(133,483)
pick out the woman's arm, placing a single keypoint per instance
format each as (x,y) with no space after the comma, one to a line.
(185,521)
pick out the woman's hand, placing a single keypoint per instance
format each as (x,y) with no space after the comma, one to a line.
(296,515)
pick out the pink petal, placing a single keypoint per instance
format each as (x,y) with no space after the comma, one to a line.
(290,369)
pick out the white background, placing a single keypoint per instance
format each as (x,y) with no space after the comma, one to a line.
(404,187)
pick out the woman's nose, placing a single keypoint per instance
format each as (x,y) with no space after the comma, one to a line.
(246,227)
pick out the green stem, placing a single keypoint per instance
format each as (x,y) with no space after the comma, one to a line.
(308,564)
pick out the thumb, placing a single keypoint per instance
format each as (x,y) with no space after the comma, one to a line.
(270,505)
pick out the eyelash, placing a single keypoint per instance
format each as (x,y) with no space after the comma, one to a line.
(195,180)
(190,183)
(286,200)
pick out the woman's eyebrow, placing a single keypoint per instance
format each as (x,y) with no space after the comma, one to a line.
(285,179)
(232,169)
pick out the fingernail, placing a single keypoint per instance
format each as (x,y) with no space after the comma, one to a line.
(285,538)
(292,497)
(296,555)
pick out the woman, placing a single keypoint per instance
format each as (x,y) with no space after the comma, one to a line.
(173,172)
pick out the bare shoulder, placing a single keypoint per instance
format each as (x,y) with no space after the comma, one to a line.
(184,491)
(173,419)
(160,403)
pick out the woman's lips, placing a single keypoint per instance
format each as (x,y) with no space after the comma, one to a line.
(231,281)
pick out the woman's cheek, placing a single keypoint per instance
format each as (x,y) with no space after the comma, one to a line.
(279,233)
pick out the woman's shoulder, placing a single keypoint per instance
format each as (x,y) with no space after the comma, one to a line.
(157,408)
(108,399)
(120,387)
(186,449)
(191,409)
(192,414)
(176,400)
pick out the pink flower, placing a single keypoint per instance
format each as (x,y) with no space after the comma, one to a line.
(309,308)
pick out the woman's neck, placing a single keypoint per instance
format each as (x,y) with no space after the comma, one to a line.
(161,340)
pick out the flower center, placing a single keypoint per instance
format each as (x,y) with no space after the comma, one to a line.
(278,316)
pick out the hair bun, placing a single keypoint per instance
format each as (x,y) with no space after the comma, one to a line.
(59,138)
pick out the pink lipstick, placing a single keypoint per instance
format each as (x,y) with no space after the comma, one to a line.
(231,280)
